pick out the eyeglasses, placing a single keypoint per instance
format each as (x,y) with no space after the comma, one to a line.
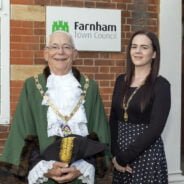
(65,48)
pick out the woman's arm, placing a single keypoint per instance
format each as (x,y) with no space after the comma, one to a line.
(159,113)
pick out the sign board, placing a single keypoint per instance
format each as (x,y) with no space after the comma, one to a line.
(92,29)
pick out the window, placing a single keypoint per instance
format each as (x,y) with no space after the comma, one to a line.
(4,61)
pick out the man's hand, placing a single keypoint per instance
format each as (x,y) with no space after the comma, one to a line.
(61,173)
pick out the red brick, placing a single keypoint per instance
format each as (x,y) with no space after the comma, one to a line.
(14,38)
(104,83)
(30,39)
(121,6)
(3,135)
(127,13)
(153,15)
(28,24)
(130,6)
(113,82)
(42,39)
(152,28)
(153,2)
(15,83)
(107,104)
(74,3)
(2,141)
(106,97)
(88,55)
(42,2)
(21,31)
(14,53)
(104,76)
(27,2)
(39,61)
(153,22)
(104,62)
(56,2)
(38,54)
(22,61)
(21,23)
(14,104)
(39,25)
(121,63)
(105,69)
(27,54)
(126,28)
(87,70)
(124,1)
(90,4)
(117,55)
(39,31)
(105,55)
(77,63)
(4,129)
(106,90)
(105,5)
(15,23)
(15,90)
(24,46)
(116,70)
(87,62)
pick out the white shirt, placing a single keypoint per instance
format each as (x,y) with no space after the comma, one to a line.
(64,92)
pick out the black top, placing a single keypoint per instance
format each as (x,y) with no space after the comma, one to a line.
(155,114)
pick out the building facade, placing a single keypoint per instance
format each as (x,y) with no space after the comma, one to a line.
(27,40)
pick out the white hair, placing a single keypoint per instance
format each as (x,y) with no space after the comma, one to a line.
(60,31)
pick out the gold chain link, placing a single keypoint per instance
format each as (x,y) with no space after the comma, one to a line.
(53,106)
(126,104)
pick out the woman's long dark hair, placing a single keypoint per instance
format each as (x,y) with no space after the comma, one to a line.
(155,65)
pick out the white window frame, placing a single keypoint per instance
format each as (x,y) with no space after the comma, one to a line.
(5,62)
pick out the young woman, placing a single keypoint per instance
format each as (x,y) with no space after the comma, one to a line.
(140,107)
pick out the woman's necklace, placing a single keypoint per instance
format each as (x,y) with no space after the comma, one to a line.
(126,103)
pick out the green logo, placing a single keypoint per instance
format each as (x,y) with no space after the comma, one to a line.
(60,25)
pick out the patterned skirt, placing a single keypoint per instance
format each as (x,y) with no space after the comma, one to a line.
(150,167)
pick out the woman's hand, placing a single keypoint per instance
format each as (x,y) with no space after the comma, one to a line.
(120,168)
(61,173)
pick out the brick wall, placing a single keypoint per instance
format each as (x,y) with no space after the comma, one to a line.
(28,39)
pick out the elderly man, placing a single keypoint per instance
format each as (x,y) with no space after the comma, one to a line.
(57,103)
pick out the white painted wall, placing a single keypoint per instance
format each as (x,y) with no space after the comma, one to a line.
(4,61)
(171,62)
